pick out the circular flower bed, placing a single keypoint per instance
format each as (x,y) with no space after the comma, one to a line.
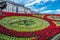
(26,25)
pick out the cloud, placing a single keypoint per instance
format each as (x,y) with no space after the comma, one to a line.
(42,8)
(37,10)
(57,11)
(53,0)
(38,2)
(17,1)
(47,11)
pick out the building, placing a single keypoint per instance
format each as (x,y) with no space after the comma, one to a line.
(17,8)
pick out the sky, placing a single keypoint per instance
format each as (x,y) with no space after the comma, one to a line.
(41,6)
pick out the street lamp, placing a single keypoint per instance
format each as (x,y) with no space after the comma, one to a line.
(3,5)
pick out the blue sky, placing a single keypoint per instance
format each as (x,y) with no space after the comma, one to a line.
(41,6)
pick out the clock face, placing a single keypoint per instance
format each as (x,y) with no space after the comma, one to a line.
(24,23)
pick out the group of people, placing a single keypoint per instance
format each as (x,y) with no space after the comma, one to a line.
(3,5)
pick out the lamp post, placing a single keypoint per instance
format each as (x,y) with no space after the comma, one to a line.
(3,5)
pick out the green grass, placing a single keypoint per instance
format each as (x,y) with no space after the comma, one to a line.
(5,37)
(18,25)
(56,37)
